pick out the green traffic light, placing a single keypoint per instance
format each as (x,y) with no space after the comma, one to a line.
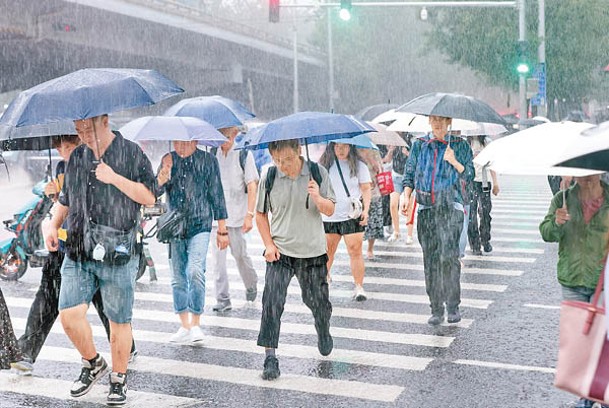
(344,14)
(522,68)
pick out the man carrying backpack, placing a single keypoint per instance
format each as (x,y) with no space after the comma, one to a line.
(434,170)
(240,181)
(296,193)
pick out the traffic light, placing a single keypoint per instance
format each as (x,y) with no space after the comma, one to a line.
(522,66)
(345,10)
(274,11)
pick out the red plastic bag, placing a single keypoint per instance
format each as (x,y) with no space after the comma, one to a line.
(385,182)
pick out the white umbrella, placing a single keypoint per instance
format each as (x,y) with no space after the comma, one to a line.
(382,136)
(391,116)
(485,129)
(534,150)
(420,124)
(589,149)
(169,128)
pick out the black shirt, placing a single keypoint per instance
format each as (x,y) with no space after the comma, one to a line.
(105,204)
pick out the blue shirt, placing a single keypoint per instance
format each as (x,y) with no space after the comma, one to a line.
(195,189)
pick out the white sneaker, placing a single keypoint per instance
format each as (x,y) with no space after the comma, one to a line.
(196,334)
(409,240)
(359,294)
(181,336)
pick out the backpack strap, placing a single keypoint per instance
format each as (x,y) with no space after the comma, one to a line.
(268,186)
(242,158)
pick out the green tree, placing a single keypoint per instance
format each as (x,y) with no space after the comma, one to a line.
(486,41)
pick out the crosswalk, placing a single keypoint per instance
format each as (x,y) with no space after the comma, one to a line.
(378,343)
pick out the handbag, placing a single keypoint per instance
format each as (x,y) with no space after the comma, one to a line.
(170,225)
(583,356)
(384,181)
(356,205)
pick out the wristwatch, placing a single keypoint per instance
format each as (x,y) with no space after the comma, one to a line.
(250,213)
(223,233)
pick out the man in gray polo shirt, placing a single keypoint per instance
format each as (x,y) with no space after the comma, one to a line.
(295,244)
(239,182)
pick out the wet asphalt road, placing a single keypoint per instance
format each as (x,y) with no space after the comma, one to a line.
(501,355)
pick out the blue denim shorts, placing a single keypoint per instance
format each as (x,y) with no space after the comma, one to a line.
(397,182)
(80,281)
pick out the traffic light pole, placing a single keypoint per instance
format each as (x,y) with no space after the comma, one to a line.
(541,53)
(330,61)
(522,90)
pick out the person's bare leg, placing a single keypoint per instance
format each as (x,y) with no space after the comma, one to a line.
(195,320)
(332,241)
(394,202)
(77,328)
(185,320)
(371,247)
(354,247)
(120,345)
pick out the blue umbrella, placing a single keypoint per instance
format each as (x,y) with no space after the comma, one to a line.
(361,141)
(307,127)
(169,128)
(221,112)
(88,93)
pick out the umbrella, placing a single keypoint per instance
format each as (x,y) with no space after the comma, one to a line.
(452,106)
(370,112)
(88,93)
(169,128)
(588,150)
(385,137)
(221,112)
(391,116)
(36,137)
(307,127)
(361,141)
(534,150)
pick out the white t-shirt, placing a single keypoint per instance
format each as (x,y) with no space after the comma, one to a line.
(341,210)
(477,147)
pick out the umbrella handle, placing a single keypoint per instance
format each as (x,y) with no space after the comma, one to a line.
(310,174)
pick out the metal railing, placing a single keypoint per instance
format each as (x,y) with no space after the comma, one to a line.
(180,8)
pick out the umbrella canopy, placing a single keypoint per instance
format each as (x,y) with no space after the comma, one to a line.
(221,112)
(172,128)
(452,106)
(361,141)
(370,112)
(307,127)
(534,150)
(412,123)
(588,150)
(385,137)
(88,93)
(390,116)
(37,137)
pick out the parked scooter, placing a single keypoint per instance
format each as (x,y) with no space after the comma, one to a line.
(146,260)
(28,244)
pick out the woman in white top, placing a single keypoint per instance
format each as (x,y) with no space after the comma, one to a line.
(354,185)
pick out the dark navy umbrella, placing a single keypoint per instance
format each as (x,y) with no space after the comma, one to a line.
(36,137)
(88,93)
(370,112)
(452,106)
(221,112)
(307,127)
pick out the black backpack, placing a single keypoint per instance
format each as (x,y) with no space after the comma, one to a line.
(270,180)
(242,159)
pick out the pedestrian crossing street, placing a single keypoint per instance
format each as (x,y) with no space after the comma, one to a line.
(378,344)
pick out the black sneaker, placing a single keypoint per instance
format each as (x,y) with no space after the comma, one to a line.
(454,317)
(89,375)
(487,247)
(118,389)
(477,252)
(435,320)
(325,344)
(250,294)
(271,368)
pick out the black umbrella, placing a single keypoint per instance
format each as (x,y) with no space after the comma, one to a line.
(452,106)
(370,112)
(593,161)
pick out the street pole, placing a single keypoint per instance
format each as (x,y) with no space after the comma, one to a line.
(522,97)
(541,53)
(330,61)
(296,96)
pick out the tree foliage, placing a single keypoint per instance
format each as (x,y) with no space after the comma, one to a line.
(485,40)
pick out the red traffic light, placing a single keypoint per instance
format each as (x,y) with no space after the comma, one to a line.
(274,11)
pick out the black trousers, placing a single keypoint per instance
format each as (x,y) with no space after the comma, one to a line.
(312,275)
(480,205)
(438,230)
(45,308)
(9,351)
